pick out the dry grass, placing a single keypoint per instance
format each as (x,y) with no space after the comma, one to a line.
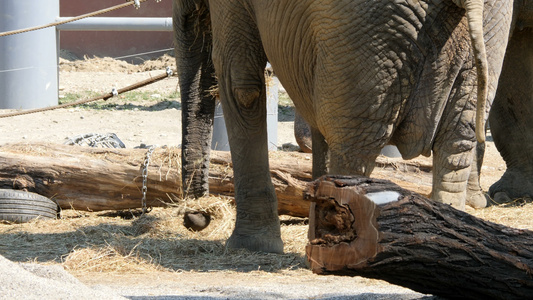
(107,64)
(519,215)
(116,242)
(111,242)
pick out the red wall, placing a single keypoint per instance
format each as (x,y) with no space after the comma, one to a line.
(114,43)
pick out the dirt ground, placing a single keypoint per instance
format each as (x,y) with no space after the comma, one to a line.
(155,119)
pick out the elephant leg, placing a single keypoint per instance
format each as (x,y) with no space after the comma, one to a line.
(450,176)
(455,143)
(354,148)
(510,120)
(348,158)
(240,63)
(320,153)
(311,140)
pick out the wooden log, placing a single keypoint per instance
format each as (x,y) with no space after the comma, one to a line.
(290,171)
(97,179)
(85,178)
(374,228)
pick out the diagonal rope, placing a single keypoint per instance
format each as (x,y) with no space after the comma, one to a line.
(98,12)
(101,97)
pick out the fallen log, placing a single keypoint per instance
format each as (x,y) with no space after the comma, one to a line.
(374,228)
(96,179)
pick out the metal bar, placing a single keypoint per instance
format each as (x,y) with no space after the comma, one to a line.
(117,24)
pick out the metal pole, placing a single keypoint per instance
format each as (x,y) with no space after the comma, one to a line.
(117,24)
(28,61)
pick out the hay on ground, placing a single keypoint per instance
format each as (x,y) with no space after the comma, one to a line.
(111,242)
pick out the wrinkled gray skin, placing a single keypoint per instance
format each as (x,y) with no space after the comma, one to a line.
(511,116)
(361,73)
(192,36)
(302,133)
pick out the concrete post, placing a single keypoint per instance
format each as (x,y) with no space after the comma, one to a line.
(28,61)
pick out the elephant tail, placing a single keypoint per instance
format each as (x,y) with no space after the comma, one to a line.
(474,14)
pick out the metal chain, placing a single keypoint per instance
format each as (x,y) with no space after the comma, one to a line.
(98,12)
(145,178)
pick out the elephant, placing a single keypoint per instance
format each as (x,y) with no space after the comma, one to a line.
(420,75)
(510,118)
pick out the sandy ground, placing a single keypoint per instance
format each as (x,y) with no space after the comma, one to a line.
(156,120)
(153,121)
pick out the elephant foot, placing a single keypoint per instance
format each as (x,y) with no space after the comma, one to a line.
(456,200)
(256,243)
(257,225)
(502,198)
(257,229)
(513,186)
(477,199)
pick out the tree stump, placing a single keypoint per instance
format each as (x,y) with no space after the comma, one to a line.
(374,228)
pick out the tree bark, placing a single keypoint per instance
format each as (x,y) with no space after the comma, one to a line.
(374,228)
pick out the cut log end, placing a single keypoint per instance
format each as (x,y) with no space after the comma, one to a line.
(342,223)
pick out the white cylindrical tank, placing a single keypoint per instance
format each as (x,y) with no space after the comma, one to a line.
(28,61)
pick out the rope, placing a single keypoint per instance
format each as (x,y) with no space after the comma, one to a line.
(142,53)
(101,97)
(98,12)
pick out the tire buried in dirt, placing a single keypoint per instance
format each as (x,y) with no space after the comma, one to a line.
(20,206)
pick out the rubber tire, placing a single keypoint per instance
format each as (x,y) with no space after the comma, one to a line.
(20,206)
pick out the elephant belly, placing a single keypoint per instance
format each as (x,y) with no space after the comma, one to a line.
(382,75)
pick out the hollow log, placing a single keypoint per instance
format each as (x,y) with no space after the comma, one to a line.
(374,228)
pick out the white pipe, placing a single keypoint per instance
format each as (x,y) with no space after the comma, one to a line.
(116,24)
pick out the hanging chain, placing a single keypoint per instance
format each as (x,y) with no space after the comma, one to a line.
(145,178)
